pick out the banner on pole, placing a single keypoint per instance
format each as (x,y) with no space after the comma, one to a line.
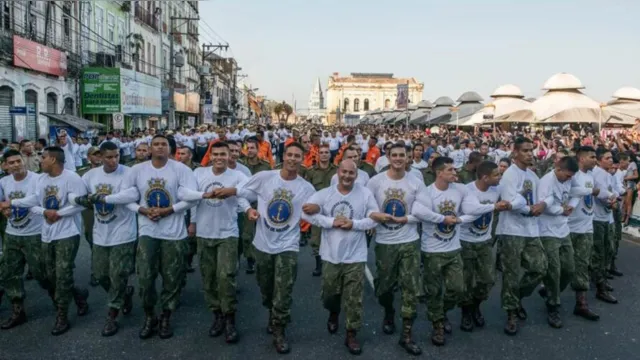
(402,98)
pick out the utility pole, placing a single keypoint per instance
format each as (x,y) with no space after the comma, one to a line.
(172,89)
(203,90)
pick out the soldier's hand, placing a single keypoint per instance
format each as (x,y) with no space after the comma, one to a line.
(596,191)
(567,210)
(83,201)
(97,198)
(380,217)
(209,195)
(224,193)
(6,213)
(191,230)
(450,220)
(347,225)
(310,209)
(5,205)
(51,216)
(502,205)
(252,214)
(164,212)
(400,220)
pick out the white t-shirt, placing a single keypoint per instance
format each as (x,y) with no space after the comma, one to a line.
(581,219)
(479,230)
(152,187)
(381,163)
(518,187)
(52,193)
(396,197)
(605,182)
(280,207)
(344,246)
(420,165)
(434,204)
(23,221)
(113,224)
(218,218)
(555,194)
(243,169)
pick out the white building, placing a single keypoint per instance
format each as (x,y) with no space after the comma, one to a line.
(317,111)
(39,65)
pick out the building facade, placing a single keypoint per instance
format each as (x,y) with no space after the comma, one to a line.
(353,95)
(317,111)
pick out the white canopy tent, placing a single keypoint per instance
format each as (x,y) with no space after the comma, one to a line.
(468,104)
(508,105)
(421,115)
(625,106)
(564,103)
(441,112)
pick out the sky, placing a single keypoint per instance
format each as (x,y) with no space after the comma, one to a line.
(450,46)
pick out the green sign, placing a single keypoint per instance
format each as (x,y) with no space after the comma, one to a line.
(101,90)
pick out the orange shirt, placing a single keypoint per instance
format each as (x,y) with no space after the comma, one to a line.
(373,154)
(311,158)
(289,141)
(340,154)
(264,152)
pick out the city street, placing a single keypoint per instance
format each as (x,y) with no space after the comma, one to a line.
(615,336)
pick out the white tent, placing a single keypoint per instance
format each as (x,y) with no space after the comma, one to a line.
(508,105)
(441,113)
(468,104)
(422,114)
(565,103)
(625,106)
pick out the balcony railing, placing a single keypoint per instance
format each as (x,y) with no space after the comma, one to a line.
(146,17)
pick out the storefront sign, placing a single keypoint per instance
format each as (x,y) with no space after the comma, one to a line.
(141,93)
(101,90)
(188,103)
(32,55)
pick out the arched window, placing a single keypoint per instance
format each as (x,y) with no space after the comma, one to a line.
(6,120)
(387,103)
(356,105)
(366,104)
(345,106)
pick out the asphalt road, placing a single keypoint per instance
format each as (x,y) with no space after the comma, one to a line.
(615,336)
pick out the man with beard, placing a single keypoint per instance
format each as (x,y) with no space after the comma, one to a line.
(218,238)
(114,234)
(141,155)
(280,195)
(248,231)
(60,233)
(162,232)
(344,212)
(397,247)
(521,253)
(320,177)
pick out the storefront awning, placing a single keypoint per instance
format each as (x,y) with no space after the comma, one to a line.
(75,122)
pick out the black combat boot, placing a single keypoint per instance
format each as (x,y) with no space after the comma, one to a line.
(128,300)
(18,316)
(80,296)
(582,308)
(332,322)
(437,336)
(111,325)
(280,340)
(478,318)
(230,332)
(511,327)
(613,270)
(165,330)
(251,266)
(351,342)
(218,324)
(318,270)
(603,295)
(388,323)
(521,312)
(406,341)
(447,325)
(62,323)
(466,324)
(553,317)
(150,324)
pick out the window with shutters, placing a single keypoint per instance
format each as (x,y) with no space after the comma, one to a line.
(99,28)
(111,23)
(5,19)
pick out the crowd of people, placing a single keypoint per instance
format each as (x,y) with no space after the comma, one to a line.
(434,205)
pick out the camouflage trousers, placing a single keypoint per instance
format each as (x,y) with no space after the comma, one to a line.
(247,233)
(276,274)
(560,269)
(316,233)
(478,271)
(444,282)
(166,258)
(398,263)
(111,265)
(344,282)
(523,265)
(601,254)
(87,221)
(218,261)
(18,251)
(582,247)
(59,260)
(617,234)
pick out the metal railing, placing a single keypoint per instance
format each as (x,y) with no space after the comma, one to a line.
(145,16)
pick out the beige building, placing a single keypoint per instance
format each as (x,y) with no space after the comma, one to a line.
(350,97)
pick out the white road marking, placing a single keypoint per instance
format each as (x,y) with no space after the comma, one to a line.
(369,276)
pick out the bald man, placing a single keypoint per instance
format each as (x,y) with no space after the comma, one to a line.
(344,212)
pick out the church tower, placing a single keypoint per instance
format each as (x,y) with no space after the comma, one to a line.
(316,103)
